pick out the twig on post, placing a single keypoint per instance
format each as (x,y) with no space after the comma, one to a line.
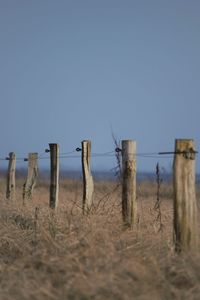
(118,169)
(157,206)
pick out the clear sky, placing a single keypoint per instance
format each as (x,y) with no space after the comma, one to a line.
(72,69)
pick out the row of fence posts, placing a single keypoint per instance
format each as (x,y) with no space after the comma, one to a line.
(185,206)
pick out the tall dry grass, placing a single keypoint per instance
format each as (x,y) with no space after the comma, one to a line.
(68,256)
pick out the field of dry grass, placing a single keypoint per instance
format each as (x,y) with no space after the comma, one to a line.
(68,256)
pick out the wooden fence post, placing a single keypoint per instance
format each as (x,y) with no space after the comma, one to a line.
(88,184)
(10,191)
(185,206)
(31,177)
(129,205)
(54,184)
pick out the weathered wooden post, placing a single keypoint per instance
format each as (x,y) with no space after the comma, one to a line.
(88,184)
(185,207)
(54,184)
(31,176)
(129,205)
(10,191)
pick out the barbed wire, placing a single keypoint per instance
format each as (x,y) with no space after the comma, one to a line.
(71,154)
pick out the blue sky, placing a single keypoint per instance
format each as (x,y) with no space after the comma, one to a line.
(72,69)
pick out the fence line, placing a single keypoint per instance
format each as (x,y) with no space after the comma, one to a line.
(185,207)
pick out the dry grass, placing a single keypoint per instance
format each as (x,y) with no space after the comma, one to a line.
(68,256)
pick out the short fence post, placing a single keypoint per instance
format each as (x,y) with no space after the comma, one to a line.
(54,184)
(185,206)
(129,205)
(10,191)
(88,184)
(31,177)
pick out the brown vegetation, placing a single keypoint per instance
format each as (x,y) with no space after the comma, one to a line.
(70,256)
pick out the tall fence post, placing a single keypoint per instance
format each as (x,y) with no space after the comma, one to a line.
(31,176)
(129,205)
(88,184)
(185,206)
(10,191)
(54,184)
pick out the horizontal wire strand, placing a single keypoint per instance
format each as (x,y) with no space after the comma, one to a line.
(63,155)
